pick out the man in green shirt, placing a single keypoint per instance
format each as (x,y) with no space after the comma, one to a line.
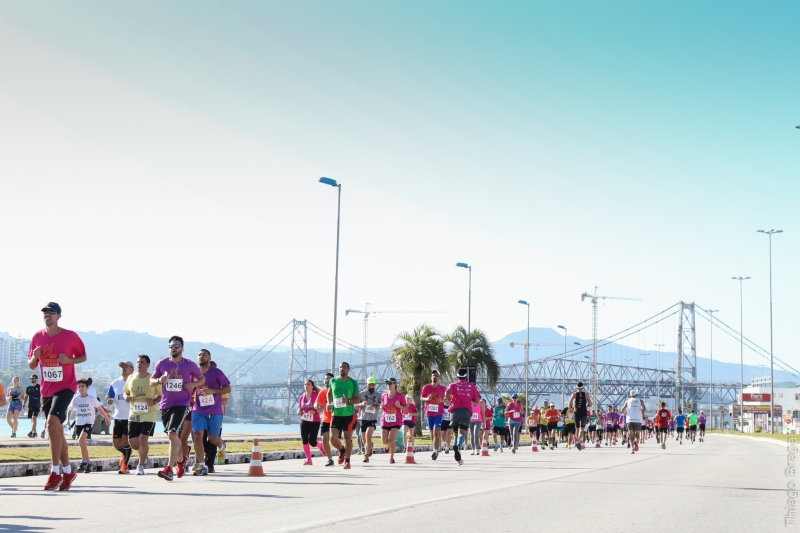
(692,425)
(343,394)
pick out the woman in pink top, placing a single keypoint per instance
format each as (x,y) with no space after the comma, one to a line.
(487,421)
(309,420)
(393,405)
(409,420)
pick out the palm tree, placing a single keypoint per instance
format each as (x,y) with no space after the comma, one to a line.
(422,351)
(472,348)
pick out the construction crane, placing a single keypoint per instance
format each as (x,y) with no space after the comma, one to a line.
(594,297)
(366,312)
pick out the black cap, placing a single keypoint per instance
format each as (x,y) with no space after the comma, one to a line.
(52,306)
(462,373)
(391,380)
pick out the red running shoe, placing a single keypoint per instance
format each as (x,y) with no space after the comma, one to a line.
(341,458)
(67,479)
(165,473)
(347,466)
(179,470)
(53,481)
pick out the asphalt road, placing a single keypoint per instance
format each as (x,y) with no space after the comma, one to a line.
(726,484)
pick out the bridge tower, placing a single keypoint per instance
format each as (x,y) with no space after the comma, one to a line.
(298,363)
(686,364)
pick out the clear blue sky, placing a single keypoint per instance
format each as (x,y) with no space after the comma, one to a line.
(174,148)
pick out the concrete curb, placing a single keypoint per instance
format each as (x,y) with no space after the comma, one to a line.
(758,439)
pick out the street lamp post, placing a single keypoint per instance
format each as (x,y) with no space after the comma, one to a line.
(771,366)
(564,367)
(332,183)
(711,363)
(469,303)
(740,279)
(527,346)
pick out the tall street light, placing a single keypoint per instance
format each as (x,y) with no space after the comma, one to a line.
(332,183)
(771,366)
(711,364)
(564,367)
(740,279)
(469,303)
(527,345)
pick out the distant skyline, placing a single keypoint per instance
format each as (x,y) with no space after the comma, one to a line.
(159,166)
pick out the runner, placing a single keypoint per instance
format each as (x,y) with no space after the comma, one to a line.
(447,431)
(342,397)
(122,409)
(551,415)
(593,425)
(141,397)
(327,416)
(533,423)
(207,412)
(463,395)
(499,423)
(569,425)
(671,430)
(701,422)
(370,404)
(84,407)
(393,404)
(487,421)
(16,397)
(679,421)
(209,447)
(514,413)
(432,394)
(409,420)
(608,418)
(581,403)
(178,378)
(634,410)
(56,351)
(309,420)
(33,393)
(543,433)
(692,426)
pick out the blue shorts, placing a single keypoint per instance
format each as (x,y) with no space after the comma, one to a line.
(210,423)
(434,421)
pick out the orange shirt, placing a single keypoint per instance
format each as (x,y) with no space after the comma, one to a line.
(552,415)
(322,399)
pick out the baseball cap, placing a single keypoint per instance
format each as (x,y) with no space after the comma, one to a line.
(371,380)
(580,384)
(462,373)
(515,395)
(52,306)
(391,380)
(499,401)
(125,363)
(409,397)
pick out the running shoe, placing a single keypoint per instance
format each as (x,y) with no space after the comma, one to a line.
(460,463)
(53,481)
(308,462)
(663,447)
(340,459)
(346,466)
(196,469)
(44,432)
(366,458)
(165,473)
(513,450)
(681,443)
(30,434)
(88,467)
(447,451)
(635,446)
(204,471)
(435,455)
(13,435)
(391,460)
(81,467)
(180,468)
(329,463)
(140,470)
(121,462)
(473,452)
(67,479)
(579,446)
(211,469)
(124,469)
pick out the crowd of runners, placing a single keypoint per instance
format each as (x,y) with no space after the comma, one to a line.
(189,398)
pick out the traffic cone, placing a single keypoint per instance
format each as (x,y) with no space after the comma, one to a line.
(255,470)
(534,444)
(597,442)
(484,448)
(410,454)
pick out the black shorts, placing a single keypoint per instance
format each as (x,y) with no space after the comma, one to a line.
(136,429)
(84,428)
(173,418)
(33,409)
(702,427)
(531,430)
(552,425)
(325,427)
(445,425)
(692,428)
(569,429)
(366,424)
(497,430)
(593,428)
(344,423)
(662,430)
(409,424)
(120,428)
(679,430)
(57,404)
(460,418)
(580,419)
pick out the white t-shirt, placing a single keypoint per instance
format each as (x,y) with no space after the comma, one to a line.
(84,409)
(634,411)
(122,409)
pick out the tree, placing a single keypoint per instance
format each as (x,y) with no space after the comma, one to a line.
(421,352)
(473,349)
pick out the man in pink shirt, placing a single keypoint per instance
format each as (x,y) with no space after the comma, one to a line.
(433,394)
(462,396)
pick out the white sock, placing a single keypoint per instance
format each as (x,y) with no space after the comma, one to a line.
(202,464)
(55,469)
(67,469)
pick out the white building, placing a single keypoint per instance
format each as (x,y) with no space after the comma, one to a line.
(13,351)
(787,395)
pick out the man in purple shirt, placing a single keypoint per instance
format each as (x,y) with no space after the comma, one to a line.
(207,412)
(177,376)
(701,422)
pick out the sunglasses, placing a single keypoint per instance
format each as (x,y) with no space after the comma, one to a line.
(171,346)
(49,312)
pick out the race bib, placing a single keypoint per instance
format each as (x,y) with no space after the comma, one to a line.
(515,415)
(53,374)
(308,416)
(174,385)
(407,417)
(433,407)
(140,407)
(206,400)
(369,409)
(474,417)
(390,418)
(338,403)
(446,415)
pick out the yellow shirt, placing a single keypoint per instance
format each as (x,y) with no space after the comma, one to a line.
(141,391)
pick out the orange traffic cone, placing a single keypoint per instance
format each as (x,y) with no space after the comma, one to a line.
(255,470)
(410,454)
(597,442)
(484,448)
(534,444)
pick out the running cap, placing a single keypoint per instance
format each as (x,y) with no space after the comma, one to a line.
(515,395)
(499,401)
(391,380)
(634,392)
(580,384)
(123,364)
(53,307)
(462,373)
(409,397)
(371,380)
